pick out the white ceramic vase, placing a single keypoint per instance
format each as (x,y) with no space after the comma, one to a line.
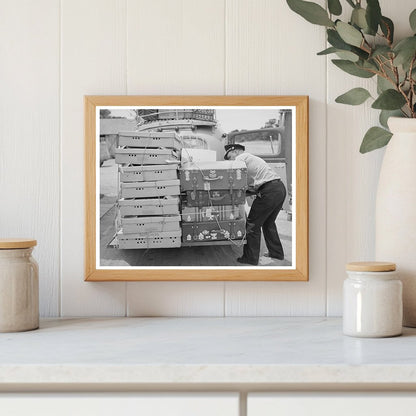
(396,210)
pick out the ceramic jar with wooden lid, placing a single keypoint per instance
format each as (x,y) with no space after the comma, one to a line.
(372,300)
(19,286)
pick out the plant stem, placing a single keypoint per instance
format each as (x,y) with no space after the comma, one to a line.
(412,86)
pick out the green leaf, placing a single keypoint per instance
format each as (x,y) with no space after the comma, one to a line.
(373,15)
(375,138)
(327,51)
(352,68)
(336,41)
(386,114)
(349,34)
(356,96)
(387,27)
(358,18)
(334,7)
(348,56)
(412,20)
(383,84)
(389,100)
(311,12)
(405,51)
(381,50)
(370,65)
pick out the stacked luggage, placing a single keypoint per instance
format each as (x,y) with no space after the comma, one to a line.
(213,198)
(149,189)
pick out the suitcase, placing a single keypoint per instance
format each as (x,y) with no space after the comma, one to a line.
(213,231)
(157,206)
(148,173)
(149,189)
(146,156)
(169,239)
(214,198)
(138,225)
(143,139)
(213,175)
(220,213)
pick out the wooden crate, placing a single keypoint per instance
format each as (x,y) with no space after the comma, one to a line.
(148,173)
(138,225)
(143,139)
(146,156)
(171,239)
(157,206)
(214,213)
(216,175)
(149,189)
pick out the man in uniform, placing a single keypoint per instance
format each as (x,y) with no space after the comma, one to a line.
(270,193)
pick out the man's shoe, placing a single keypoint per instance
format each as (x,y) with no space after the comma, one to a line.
(245,261)
(267,254)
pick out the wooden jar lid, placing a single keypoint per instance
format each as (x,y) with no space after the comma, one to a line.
(11,243)
(371,266)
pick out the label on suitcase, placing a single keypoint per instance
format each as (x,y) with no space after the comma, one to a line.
(213,175)
(213,213)
(213,231)
(217,197)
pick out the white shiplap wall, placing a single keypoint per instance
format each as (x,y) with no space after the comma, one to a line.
(55,52)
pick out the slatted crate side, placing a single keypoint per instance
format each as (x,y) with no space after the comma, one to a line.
(213,231)
(215,198)
(134,225)
(159,206)
(150,189)
(146,156)
(148,173)
(171,239)
(149,142)
(213,213)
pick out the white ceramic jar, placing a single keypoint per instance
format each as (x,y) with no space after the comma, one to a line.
(19,286)
(372,300)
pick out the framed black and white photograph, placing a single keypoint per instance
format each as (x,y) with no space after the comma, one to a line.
(196,188)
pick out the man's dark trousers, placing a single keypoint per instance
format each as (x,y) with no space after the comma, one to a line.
(263,214)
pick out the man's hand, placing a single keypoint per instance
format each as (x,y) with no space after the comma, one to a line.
(250,191)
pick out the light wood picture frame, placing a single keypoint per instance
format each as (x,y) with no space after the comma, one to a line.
(279,124)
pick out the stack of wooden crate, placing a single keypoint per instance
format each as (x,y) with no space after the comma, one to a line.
(149,189)
(213,198)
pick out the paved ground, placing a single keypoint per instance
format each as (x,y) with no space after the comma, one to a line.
(184,256)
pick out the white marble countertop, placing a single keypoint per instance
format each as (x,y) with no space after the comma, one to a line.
(160,352)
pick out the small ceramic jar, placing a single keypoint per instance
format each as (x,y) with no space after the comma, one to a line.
(372,300)
(19,286)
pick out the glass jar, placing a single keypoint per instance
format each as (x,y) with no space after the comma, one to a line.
(19,286)
(372,300)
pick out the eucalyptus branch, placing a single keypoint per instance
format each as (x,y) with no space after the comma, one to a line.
(412,86)
(366,43)
(368,34)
